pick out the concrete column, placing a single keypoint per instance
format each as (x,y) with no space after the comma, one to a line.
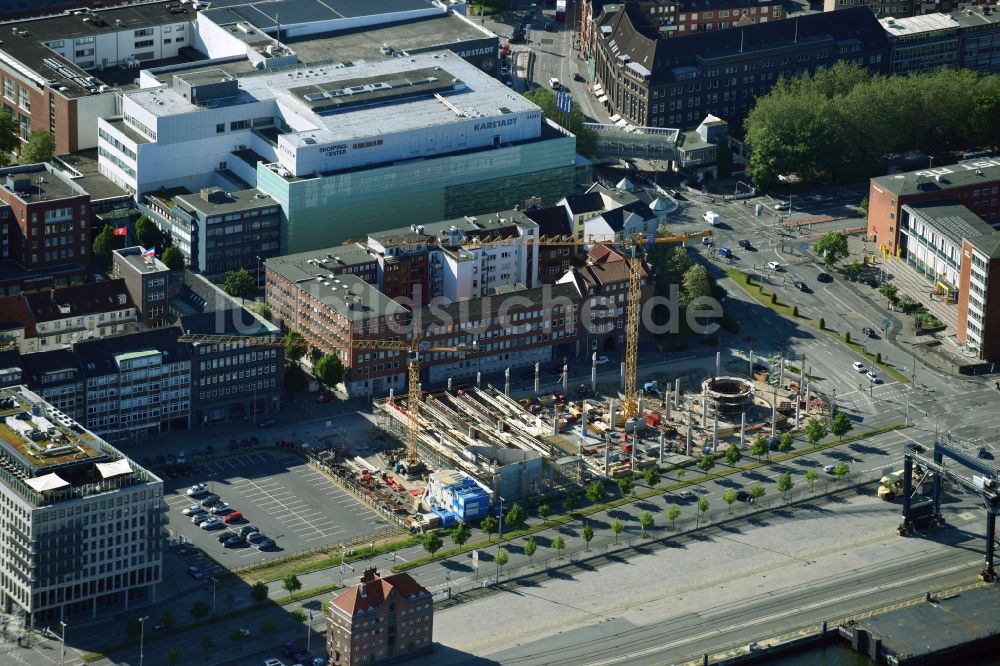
(607,452)
(662,446)
(798,409)
(479,380)
(622,376)
(667,404)
(392,394)
(583,421)
(566,379)
(774,412)
(781,372)
(506,381)
(688,448)
(751,364)
(743,428)
(704,410)
(593,373)
(538,378)
(715,430)
(718,363)
(677,393)
(449,384)
(802,371)
(611,413)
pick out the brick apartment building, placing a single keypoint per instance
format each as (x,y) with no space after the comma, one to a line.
(380,619)
(44,229)
(973,183)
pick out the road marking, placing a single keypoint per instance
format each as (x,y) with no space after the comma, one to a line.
(782,614)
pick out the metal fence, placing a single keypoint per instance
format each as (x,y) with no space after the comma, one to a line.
(659,536)
(344,546)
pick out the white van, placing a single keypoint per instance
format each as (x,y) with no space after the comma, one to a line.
(712,217)
(554,83)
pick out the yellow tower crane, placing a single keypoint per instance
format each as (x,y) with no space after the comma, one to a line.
(414,348)
(632,243)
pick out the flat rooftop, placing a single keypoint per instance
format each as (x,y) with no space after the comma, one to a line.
(366,43)
(918,26)
(478,95)
(133,257)
(226,202)
(37,182)
(266,14)
(492,224)
(345,294)
(956,222)
(927,629)
(82,168)
(966,173)
(305,265)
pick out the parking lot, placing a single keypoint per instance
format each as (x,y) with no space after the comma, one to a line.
(278,493)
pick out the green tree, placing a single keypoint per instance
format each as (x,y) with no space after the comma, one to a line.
(863,208)
(729,497)
(757,491)
(785,442)
(706,463)
(329,370)
(133,628)
(489,524)
(652,476)
(295,378)
(832,247)
(239,284)
(733,455)
(9,135)
(207,644)
(785,484)
(702,508)
(646,521)
(295,346)
(588,534)
(840,425)
(625,485)
(530,548)
(673,513)
(841,470)
(596,492)
(811,477)
(696,284)
(291,584)
(200,610)
(572,501)
(891,293)
(259,591)
(268,626)
(558,543)
(432,543)
(147,233)
(104,242)
(815,430)
(854,269)
(586,138)
(515,517)
(544,511)
(671,264)
(174,655)
(617,526)
(299,615)
(40,148)
(168,619)
(237,636)
(759,447)
(260,309)
(173,258)
(461,534)
(502,558)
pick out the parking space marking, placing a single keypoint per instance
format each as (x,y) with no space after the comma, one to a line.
(254,484)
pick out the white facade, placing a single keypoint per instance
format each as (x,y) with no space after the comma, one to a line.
(599,228)
(64,332)
(122,47)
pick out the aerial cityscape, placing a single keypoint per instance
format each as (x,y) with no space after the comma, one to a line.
(570,333)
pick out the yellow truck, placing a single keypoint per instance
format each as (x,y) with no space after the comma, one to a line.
(891,485)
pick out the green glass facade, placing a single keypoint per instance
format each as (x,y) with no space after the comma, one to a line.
(328,209)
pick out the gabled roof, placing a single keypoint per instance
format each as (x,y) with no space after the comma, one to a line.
(551,221)
(374,590)
(590,202)
(78,300)
(232,321)
(35,366)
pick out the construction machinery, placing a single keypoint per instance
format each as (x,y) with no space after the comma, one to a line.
(632,243)
(414,349)
(891,485)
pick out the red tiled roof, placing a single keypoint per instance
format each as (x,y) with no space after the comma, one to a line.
(376,590)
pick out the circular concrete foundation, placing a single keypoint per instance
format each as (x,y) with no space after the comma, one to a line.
(728,395)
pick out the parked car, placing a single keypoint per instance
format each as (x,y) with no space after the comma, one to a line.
(725,253)
(210,500)
(686,495)
(824,277)
(706,240)
(256,537)
(829,469)
(233,517)
(221,538)
(197,490)
(196,573)
(234,541)
(603,360)
(744,496)
(220,508)
(211,523)
(198,518)
(782,205)
(859,366)
(193,509)
(266,544)
(577,77)
(246,530)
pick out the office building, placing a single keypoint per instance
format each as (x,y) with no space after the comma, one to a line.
(651,81)
(457,142)
(44,229)
(969,39)
(881,8)
(81,523)
(380,619)
(148,281)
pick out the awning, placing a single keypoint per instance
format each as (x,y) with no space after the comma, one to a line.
(602,99)
(47,482)
(615,118)
(598,89)
(116,468)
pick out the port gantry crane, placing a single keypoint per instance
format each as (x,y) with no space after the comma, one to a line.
(632,243)
(414,348)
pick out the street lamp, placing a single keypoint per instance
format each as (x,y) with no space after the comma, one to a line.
(142,636)
(499,539)
(62,658)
